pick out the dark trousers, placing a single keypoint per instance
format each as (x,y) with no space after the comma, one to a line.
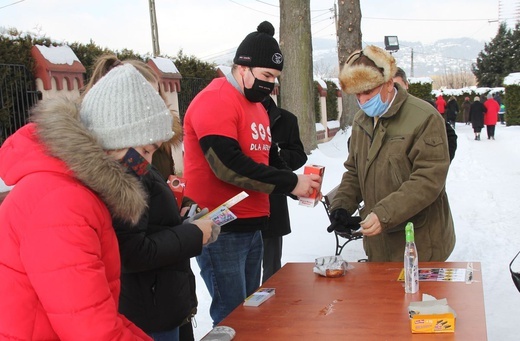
(490,131)
(272,260)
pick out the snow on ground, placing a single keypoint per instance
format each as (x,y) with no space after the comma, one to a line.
(483,186)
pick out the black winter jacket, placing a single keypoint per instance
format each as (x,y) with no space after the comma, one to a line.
(286,143)
(157,284)
(452,109)
(476,114)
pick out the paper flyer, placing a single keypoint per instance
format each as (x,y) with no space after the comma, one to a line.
(439,275)
(222,214)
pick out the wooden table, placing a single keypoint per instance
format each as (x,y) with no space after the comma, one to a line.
(368,303)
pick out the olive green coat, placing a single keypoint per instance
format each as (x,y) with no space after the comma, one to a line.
(399,168)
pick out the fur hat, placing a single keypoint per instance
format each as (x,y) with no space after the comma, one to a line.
(123,110)
(359,77)
(260,49)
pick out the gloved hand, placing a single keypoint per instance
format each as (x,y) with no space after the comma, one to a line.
(195,216)
(341,220)
(215,231)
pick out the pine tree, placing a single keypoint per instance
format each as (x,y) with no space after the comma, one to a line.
(495,61)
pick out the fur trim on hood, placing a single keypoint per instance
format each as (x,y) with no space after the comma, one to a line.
(355,79)
(66,138)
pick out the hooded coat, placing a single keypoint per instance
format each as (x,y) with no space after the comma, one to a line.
(59,256)
(476,115)
(398,168)
(440,103)
(157,284)
(452,109)
(492,109)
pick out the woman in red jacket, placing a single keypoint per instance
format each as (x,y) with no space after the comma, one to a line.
(59,255)
(491,116)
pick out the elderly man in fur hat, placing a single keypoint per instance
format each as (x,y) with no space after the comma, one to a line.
(397,165)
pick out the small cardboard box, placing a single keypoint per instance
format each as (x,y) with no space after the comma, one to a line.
(313,199)
(177,186)
(259,297)
(433,323)
(431,316)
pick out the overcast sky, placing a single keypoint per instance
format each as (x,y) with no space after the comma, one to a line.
(209,28)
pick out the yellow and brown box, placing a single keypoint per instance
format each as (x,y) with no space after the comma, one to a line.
(313,199)
(433,323)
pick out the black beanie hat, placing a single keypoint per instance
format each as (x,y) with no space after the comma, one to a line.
(260,49)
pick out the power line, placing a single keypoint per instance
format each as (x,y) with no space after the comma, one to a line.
(312,10)
(263,2)
(407,19)
(252,9)
(14,3)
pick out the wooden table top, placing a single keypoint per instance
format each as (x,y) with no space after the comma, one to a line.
(368,303)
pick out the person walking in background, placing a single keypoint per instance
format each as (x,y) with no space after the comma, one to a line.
(399,145)
(227,144)
(452,110)
(498,98)
(60,264)
(401,79)
(157,283)
(286,141)
(466,105)
(491,116)
(476,116)
(502,113)
(440,104)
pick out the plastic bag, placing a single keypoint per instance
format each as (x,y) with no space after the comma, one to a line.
(330,266)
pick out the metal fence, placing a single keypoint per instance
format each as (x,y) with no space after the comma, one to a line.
(17,95)
(190,87)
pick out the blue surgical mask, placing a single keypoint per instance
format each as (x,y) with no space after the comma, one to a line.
(374,106)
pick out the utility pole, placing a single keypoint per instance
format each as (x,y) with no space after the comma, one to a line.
(155,33)
(336,24)
(411,71)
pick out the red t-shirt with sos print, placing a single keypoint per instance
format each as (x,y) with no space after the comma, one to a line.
(220,109)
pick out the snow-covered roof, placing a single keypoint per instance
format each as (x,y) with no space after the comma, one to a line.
(466,90)
(321,82)
(165,65)
(420,80)
(512,79)
(58,54)
(335,81)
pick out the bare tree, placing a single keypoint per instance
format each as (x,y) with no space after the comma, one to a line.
(323,70)
(349,40)
(453,79)
(296,82)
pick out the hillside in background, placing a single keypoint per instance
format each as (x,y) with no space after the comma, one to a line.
(443,56)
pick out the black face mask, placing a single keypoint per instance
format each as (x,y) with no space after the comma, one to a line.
(515,275)
(259,91)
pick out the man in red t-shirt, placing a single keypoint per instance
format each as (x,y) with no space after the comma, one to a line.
(227,143)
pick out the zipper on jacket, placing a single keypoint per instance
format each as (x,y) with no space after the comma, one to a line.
(154,289)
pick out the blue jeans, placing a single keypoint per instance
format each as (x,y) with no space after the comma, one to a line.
(231,269)
(170,335)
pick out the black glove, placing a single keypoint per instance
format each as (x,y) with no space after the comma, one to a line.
(342,221)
